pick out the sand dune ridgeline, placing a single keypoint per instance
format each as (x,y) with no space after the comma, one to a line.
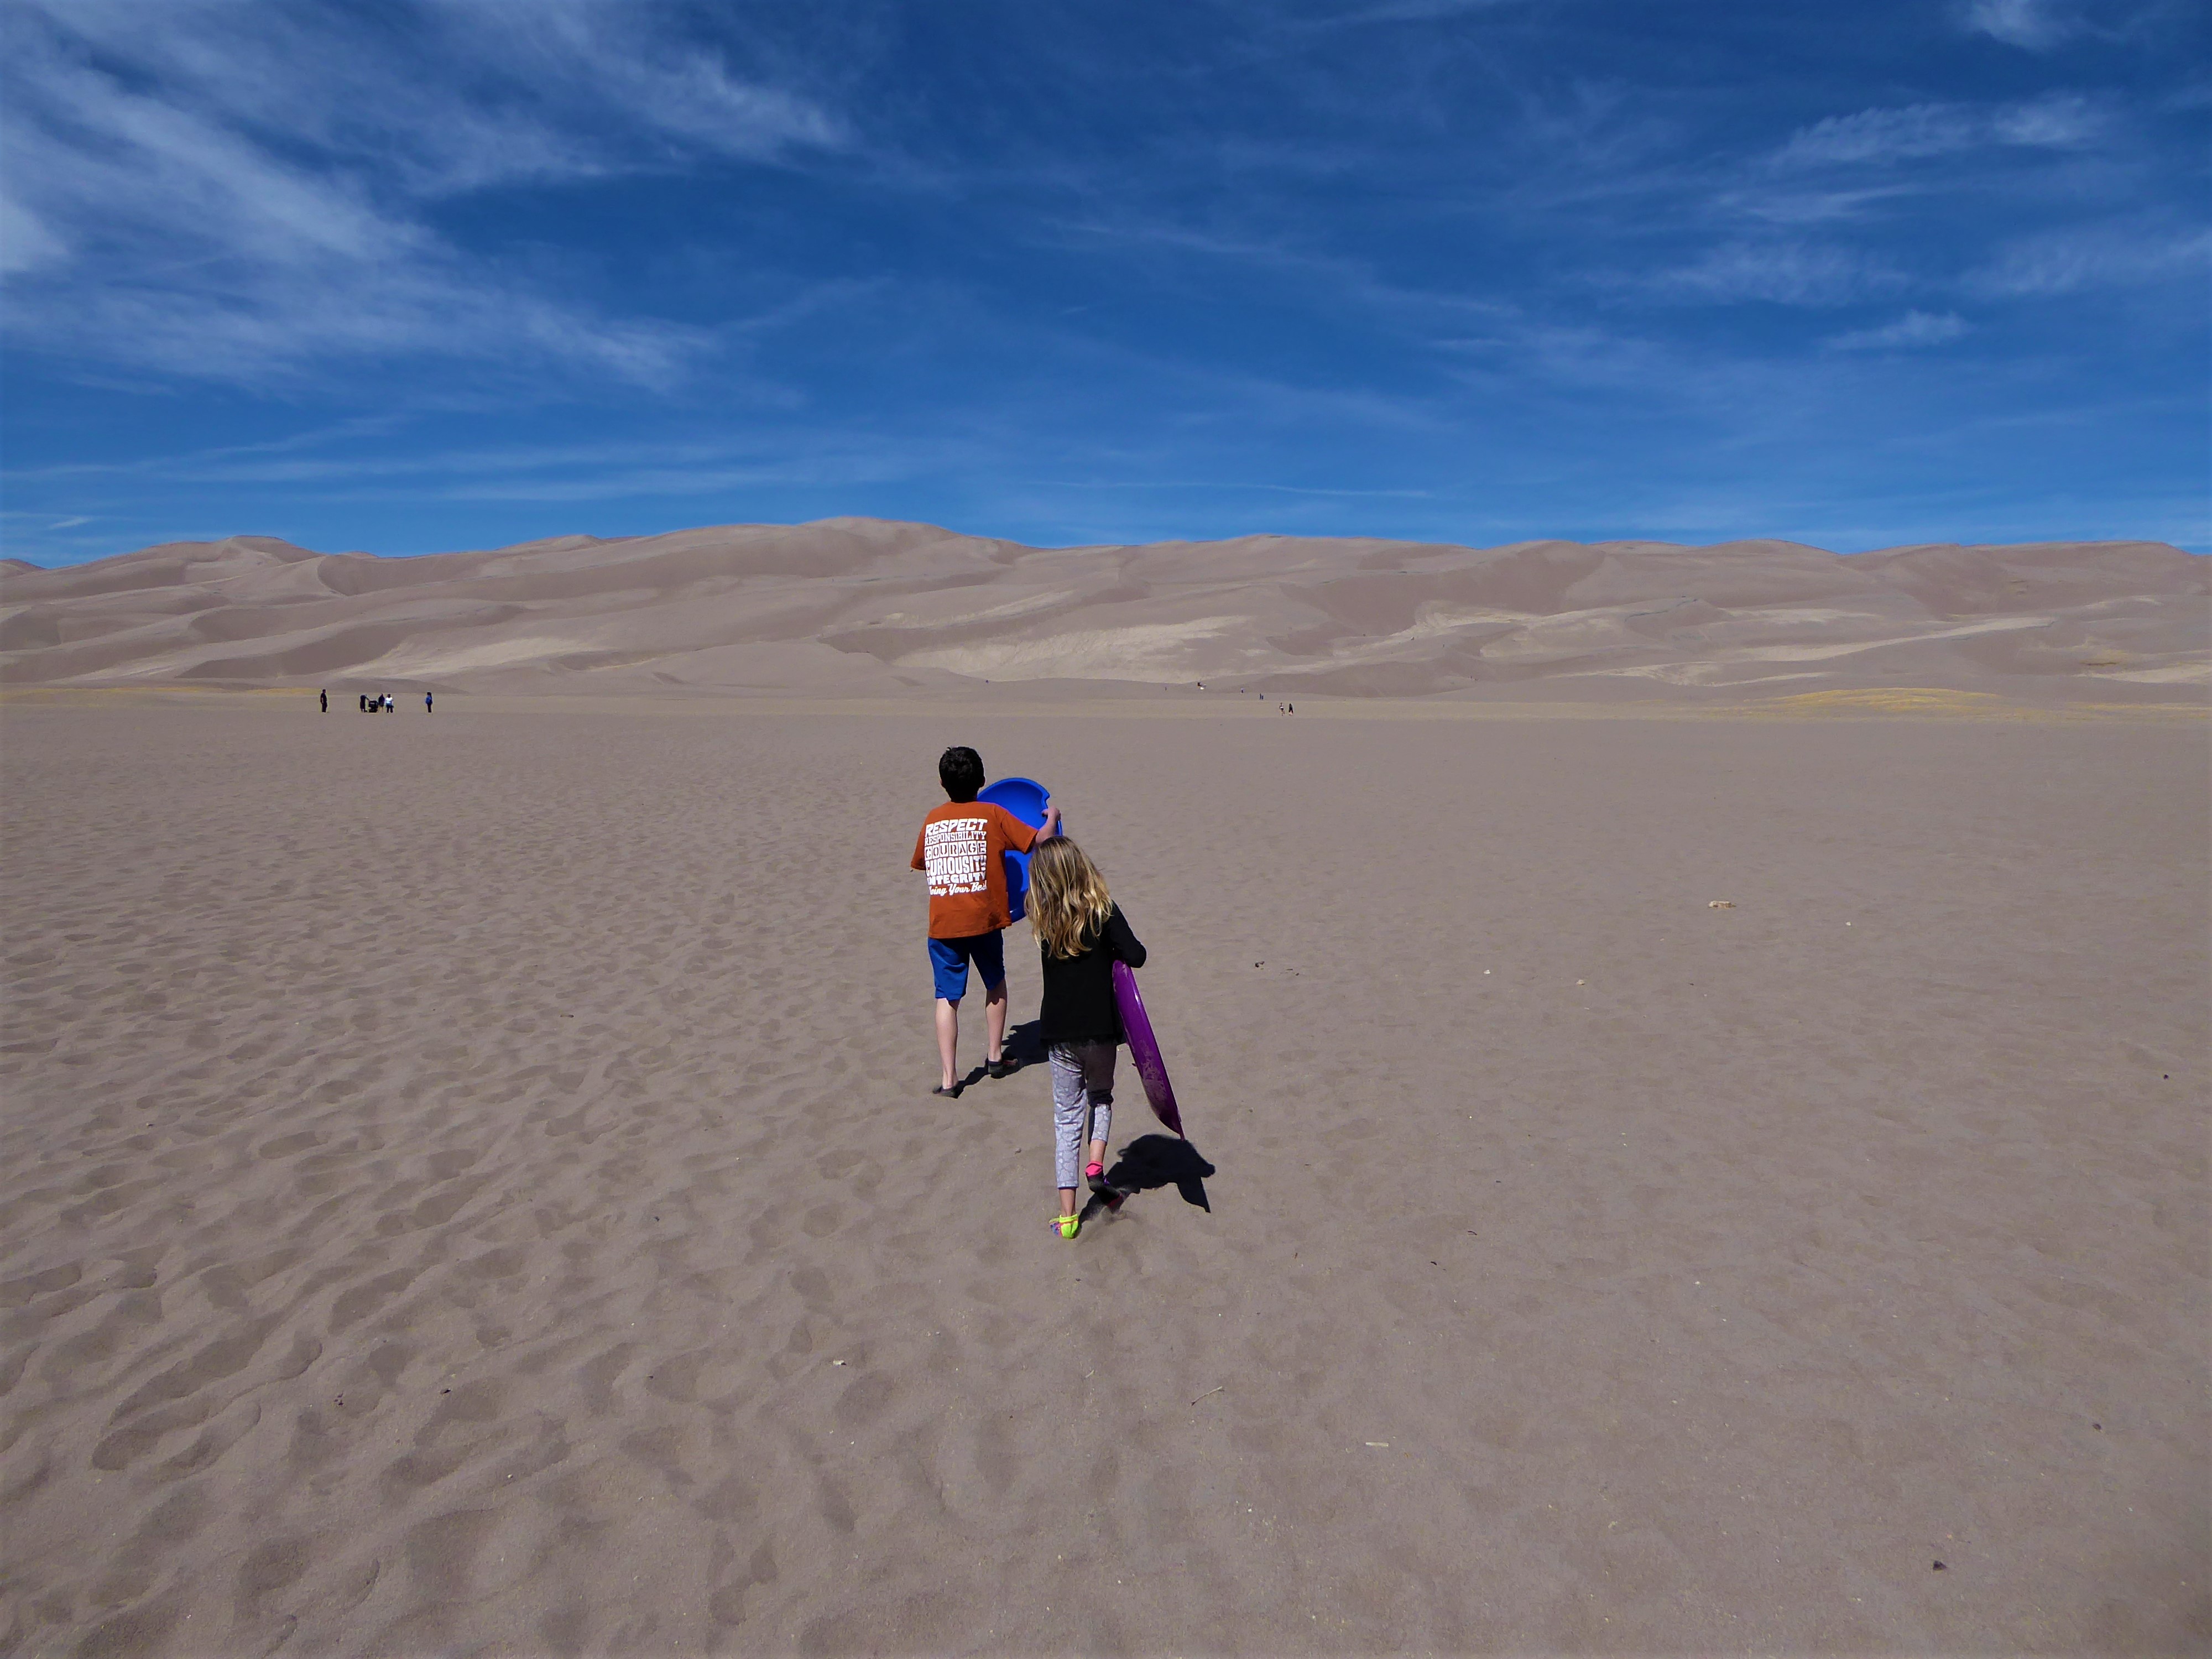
(865,607)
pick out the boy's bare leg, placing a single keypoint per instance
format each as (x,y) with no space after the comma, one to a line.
(948,1037)
(995,1005)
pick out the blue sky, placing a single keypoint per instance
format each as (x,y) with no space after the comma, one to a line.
(414,275)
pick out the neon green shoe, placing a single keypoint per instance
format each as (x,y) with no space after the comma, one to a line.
(1069,1225)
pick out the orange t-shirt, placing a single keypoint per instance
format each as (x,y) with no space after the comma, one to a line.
(962,845)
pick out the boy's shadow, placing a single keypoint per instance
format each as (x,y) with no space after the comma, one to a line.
(1149,1162)
(1024,1043)
(1024,1046)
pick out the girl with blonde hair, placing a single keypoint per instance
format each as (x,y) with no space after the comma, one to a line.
(1080,933)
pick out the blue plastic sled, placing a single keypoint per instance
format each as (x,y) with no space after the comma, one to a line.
(1024,797)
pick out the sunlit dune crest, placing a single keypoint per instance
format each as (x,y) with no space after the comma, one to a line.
(865,607)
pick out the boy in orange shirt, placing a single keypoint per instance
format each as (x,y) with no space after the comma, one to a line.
(962,846)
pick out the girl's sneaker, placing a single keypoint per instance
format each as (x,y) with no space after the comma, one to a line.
(1069,1225)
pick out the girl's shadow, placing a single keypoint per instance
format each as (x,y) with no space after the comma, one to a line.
(1149,1162)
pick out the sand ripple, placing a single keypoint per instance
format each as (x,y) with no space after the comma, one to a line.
(468,1183)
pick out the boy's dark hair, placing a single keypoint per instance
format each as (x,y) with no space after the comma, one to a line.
(961,772)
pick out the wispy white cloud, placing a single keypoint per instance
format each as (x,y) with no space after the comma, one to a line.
(232,191)
(2044,26)
(1880,134)
(2032,25)
(2061,121)
(1797,204)
(1131,231)
(453,93)
(194,462)
(25,241)
(671,483)
(1912,331)
(587,471)
(1810,273)
(1916,131)
(2072,260)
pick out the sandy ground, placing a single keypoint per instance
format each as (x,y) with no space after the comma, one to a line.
(469,1185)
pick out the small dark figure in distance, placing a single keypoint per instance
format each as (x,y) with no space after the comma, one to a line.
(425,704)
(324,697)
(364,703)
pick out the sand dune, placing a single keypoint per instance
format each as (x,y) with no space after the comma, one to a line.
(857,607)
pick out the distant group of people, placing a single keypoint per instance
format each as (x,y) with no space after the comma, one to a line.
(377,704)
(1280,708)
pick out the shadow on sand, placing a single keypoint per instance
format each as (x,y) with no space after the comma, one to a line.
(1024,1043)
(1148,1162)
(1024,1047)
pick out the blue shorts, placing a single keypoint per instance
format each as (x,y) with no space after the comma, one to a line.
(949,959)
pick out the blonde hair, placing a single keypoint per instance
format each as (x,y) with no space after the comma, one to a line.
(1067,896)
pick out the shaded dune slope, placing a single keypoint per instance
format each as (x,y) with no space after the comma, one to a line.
(859,606)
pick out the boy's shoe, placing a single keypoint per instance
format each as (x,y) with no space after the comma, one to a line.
(1007,1066)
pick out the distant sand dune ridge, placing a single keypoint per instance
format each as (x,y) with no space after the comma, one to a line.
(866,607)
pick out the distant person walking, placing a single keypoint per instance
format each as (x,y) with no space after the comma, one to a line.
(425,704)
(364,703)
(325,696)
(389,705)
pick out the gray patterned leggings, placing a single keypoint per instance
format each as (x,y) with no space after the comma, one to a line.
(1082,1092)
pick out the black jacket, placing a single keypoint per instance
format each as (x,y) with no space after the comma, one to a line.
(1079,990)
